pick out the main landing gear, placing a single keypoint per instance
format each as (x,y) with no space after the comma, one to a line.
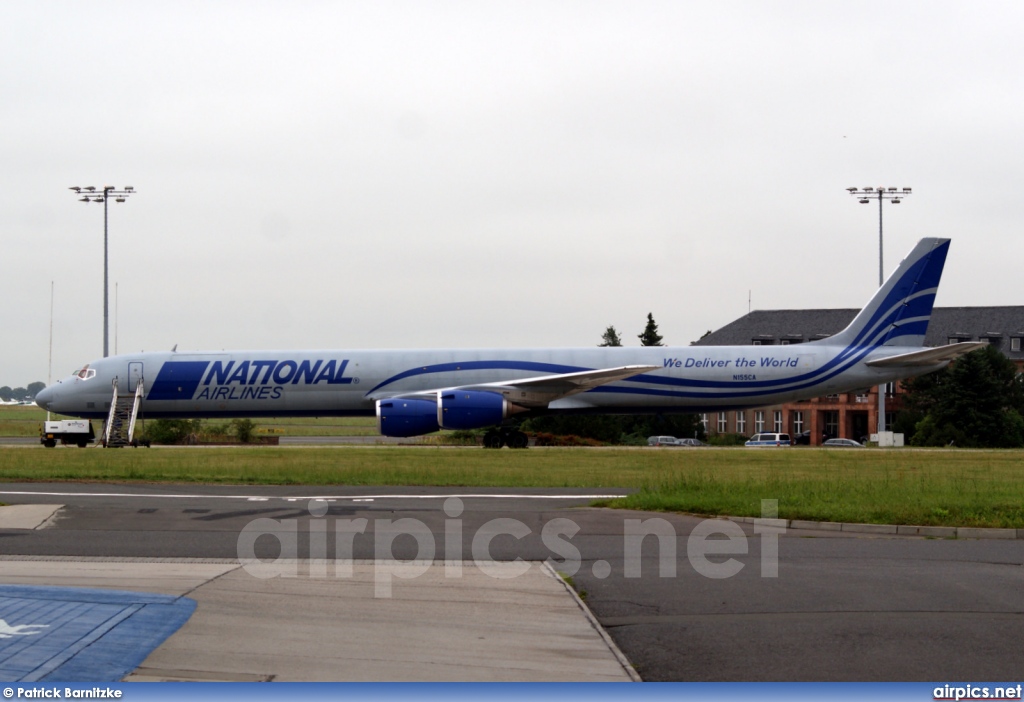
(505,436)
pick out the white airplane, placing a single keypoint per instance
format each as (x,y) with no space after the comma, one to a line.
(415,392)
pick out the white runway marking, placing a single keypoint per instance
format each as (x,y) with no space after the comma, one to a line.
(326,498)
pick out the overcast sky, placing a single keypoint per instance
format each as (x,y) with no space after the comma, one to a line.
(478,174)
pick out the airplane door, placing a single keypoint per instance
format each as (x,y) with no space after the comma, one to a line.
(134,375)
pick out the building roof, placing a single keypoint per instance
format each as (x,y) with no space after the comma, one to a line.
(999,324)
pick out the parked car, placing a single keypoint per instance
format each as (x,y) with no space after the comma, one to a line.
(771,439)
(672,441)
(802,439)
(843,443)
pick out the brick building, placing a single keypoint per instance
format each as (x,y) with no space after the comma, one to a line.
(850,415)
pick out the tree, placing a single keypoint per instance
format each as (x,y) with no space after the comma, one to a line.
(7,393)
(650,337)
(245,430)
(610,338)
(617,429)
(173,431)
(978,401)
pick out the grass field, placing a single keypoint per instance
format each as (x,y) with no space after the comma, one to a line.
(940,487)
(922,487)
(22,420)
(319,426)
(25,421)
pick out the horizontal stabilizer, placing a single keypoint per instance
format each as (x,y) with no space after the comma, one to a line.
(928,357)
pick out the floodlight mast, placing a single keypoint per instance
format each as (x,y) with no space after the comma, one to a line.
(91,195)
(864,196)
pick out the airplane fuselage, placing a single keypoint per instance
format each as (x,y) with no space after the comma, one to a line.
(416,392)
(340,383)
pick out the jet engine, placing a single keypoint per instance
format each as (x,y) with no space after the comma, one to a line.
(473,409)
(453,409)
(403,418)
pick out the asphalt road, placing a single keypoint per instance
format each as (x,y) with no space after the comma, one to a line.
(841,607)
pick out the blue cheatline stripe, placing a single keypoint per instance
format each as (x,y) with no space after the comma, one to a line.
(80,634)
(480,365)
(782,386)
(841,362)
(177,380)
(847,358)
(903,312)
(923,274)
(888,326)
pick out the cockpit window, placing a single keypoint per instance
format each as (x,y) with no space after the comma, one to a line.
(86,373)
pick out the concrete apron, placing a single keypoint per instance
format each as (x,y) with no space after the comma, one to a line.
(475,627)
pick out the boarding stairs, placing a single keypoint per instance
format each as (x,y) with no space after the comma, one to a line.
(124,409)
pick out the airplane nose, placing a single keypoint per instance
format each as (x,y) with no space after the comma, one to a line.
(44,397)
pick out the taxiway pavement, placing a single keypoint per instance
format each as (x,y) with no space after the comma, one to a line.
(842,607)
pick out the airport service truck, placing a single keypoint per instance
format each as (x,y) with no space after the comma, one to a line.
(67,431)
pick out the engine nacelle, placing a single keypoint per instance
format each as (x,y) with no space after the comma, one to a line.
(472,409)
(406,417)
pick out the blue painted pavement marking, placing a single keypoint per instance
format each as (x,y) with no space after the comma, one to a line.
(72,634)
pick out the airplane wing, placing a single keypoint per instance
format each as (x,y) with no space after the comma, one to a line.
(540,390)
(928,357)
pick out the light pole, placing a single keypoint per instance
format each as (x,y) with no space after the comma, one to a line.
(865,196)
(91,194)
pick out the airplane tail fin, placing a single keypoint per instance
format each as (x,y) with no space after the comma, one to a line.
(899,312)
